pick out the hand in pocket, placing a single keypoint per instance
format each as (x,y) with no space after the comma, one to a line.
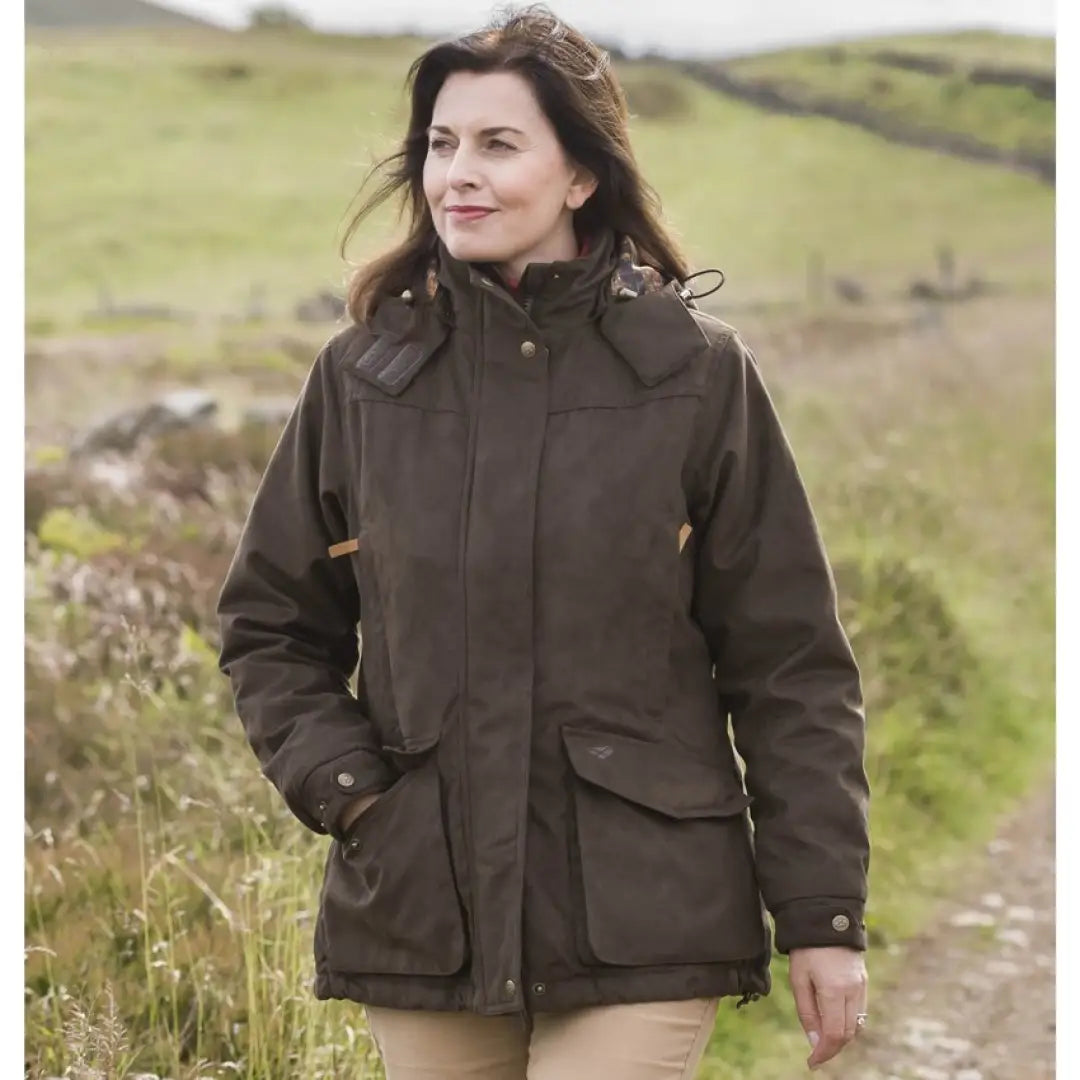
(356,808)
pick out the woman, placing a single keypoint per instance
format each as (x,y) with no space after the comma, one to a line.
(558,502)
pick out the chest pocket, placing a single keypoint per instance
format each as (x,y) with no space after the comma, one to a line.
(610,507)
(408,438)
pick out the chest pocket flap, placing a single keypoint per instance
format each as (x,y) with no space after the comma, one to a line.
(399,343)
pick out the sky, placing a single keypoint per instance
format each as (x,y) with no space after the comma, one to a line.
(683,27)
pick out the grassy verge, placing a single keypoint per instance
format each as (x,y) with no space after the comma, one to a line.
(932,471)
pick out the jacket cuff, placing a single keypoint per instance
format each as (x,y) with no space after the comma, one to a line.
(330,787)
(820,921)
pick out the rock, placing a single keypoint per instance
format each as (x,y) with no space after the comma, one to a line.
(118,474)
(953,1045)
(123,430)
(269,412)
(849,290)
(1011,936)
(109,309)
(925,290)
(920,1034)
(924,1024)
(973,287)
(920,289)
(1020,913)
(322,307)
(929,1072)
(972,918)
(188,406)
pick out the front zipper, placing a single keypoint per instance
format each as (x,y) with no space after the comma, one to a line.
(525,306)
(478,361)
(463,533)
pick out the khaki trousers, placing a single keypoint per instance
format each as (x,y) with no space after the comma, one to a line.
(662,1040)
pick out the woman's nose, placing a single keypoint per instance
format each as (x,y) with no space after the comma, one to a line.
(462,171)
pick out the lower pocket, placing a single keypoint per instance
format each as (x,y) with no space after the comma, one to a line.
(389,905)
(663,855)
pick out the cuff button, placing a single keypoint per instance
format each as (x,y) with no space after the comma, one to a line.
(840,923)
(346,779)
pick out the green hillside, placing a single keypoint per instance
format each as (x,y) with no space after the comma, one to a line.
(190,167)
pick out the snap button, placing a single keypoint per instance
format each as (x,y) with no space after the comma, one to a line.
(840,923)
(407,296)
(509,986)
(346,779)
(528,349)
(539,988)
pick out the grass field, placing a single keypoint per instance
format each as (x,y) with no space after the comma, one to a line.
(191,168)
(169,893)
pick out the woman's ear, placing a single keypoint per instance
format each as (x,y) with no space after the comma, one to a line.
(582,186)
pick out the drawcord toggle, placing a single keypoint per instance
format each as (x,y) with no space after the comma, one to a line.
(686,293)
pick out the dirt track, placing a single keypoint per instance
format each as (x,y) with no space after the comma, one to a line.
(975,997)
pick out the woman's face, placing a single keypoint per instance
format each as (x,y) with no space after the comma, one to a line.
(498,183)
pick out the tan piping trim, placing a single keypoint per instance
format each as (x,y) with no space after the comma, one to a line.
(346,547)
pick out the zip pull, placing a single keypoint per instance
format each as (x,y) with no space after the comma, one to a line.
(686,293)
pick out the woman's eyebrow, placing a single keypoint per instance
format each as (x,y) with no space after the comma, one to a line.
(484,131)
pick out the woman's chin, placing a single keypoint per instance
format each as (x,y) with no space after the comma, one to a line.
(473,248)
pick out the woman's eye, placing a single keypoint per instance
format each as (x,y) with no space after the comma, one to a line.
(437,144)
(500,145)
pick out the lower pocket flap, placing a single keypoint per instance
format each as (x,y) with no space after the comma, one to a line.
(658,775)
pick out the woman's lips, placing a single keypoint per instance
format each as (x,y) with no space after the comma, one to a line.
(469,215)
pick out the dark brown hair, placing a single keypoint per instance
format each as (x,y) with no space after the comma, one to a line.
(578,92)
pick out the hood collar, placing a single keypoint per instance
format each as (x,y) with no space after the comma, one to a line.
(633,305)
(610,269)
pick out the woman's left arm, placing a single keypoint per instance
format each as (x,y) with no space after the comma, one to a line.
(766,600)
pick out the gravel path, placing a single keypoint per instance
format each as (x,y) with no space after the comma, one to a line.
(975,997)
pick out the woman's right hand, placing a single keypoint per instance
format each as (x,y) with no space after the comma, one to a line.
(354,809)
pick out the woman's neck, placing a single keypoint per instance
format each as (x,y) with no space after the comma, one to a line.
(512,272)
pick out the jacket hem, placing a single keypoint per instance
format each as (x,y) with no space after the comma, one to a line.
(613,986)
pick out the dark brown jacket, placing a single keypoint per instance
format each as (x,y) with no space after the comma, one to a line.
(564,821)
